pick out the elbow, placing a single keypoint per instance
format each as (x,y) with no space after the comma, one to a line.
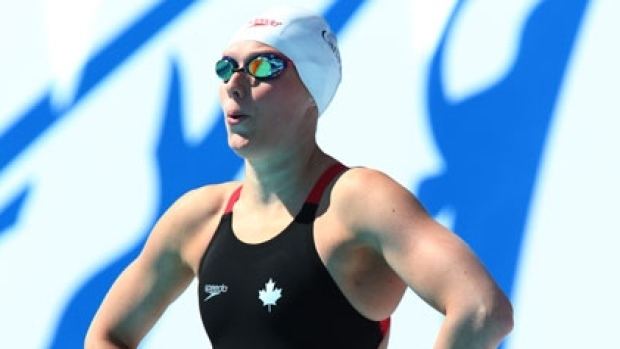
(506,317)
(481,323)
(93,340)
(494,318)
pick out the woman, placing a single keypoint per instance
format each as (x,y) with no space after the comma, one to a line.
(302,252)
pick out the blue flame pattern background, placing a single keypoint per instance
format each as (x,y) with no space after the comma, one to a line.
(491,143)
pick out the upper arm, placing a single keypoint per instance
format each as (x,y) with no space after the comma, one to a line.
(432,260)
(152,281)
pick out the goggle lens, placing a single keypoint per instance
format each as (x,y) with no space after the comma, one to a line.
(224,68)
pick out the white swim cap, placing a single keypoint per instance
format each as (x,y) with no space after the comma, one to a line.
(307,40)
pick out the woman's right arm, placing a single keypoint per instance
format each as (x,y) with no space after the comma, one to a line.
(136,300)
(154,279)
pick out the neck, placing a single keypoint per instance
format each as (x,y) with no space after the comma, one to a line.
(284,178)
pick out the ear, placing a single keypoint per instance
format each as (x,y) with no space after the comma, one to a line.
(312,105)
(311,101)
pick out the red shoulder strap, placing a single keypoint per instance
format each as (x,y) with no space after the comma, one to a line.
(233,199)
(384,326)
(315,195)
(324,180)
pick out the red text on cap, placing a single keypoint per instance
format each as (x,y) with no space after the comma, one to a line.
(264,21)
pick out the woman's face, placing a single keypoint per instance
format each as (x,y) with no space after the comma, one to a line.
(263,117)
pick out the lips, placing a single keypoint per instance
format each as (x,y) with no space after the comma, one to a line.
(235,117)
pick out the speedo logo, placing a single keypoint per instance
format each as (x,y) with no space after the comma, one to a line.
(264,21)
(214,290)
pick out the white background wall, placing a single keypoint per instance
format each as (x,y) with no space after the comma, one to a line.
(94,184)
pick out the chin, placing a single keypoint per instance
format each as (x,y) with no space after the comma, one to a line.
(240,145)
(247,151)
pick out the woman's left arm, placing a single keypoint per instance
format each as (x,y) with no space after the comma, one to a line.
(431,259)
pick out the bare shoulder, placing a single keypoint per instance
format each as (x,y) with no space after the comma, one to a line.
(360,182)
(371,201)
(188,216)
(201,203)
(368,189)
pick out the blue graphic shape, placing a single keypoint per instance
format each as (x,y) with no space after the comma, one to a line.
(181,167)
(42,114)
(128,43)
(342,12)
(19,136)
(492,142)
(10,213)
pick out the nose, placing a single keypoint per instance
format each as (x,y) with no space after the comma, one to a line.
(237,85)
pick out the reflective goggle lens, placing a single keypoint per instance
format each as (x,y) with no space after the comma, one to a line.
(262,67)
(259,67)
(225,68)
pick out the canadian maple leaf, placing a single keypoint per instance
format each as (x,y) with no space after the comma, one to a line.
(270,294)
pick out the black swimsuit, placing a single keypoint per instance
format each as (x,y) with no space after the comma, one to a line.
(278,293)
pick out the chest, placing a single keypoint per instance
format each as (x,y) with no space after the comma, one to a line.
(259,273)
(272,289)
(306,256)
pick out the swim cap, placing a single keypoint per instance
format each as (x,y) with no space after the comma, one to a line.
(307,40)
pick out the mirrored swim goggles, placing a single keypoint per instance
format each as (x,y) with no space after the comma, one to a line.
(263,66)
